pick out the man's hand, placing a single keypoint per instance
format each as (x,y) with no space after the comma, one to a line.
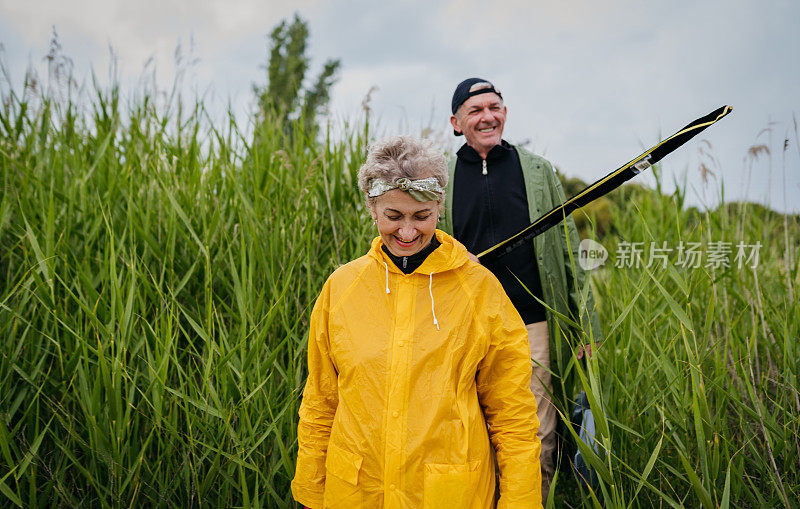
(587,348)
(473,258)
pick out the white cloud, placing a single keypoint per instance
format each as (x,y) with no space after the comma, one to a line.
(588,82)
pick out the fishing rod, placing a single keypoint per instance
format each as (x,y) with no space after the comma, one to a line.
(605,185)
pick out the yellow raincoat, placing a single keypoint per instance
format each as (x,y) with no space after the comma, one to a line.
(405,372)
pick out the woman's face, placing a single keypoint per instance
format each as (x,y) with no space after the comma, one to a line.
(405,224)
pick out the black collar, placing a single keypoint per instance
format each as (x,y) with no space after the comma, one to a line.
(470,155)
(409,264)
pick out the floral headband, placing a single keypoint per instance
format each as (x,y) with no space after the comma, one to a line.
(427,189)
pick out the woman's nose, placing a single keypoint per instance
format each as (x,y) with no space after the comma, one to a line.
(407,233)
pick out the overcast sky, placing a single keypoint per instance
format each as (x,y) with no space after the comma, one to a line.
(587,84)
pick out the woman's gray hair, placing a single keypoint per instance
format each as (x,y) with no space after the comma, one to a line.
(397,157)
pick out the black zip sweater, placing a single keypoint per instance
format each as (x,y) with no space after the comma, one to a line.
(489,208)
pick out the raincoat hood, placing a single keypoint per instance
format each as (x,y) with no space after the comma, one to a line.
(451,254)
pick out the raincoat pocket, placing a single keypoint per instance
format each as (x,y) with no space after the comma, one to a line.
(450,486)
(341,479)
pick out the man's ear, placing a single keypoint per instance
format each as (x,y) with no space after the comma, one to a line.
(454,123)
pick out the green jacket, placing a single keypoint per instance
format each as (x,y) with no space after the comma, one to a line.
(563,280)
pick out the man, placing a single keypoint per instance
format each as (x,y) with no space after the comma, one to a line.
(494,191)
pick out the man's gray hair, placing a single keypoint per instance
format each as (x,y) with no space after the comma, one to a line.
(397,157)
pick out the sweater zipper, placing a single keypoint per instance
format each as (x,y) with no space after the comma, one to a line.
(492,235)
(405,261)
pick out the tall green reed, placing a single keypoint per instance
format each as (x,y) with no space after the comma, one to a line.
(697,374)
(157,274)
(157,269)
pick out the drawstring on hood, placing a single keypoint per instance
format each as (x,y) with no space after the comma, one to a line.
(448,255)
(430,292)
(433,309)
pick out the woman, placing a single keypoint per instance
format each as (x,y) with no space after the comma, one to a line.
(413,350)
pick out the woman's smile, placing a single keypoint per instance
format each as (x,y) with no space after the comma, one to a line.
(406,244)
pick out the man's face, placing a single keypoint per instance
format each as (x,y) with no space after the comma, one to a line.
(481,119)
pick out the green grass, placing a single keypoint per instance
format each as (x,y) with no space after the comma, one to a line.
(157,270)
(698,374)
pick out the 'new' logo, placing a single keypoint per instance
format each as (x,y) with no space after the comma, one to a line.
(591,254)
